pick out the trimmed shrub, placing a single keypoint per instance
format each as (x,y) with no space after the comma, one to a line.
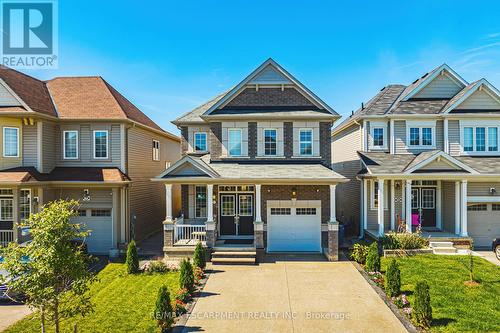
(155,267)
(393,279)
(199,256)
(164,313)
(186,276)
(373,258)
(422,310)
(132,260)
(403,241)
(359,253)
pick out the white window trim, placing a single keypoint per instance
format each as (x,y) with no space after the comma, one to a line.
(107,144)
(229,130)
(156,157)
(474,125)
(309,129)
(383,126)
(420,125)
(372,196)
(18,139)
(206,142)
(264,141)
(77,144)
(29,201)
(196,202)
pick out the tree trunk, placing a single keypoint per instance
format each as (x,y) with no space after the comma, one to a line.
(42,319)
(56,316)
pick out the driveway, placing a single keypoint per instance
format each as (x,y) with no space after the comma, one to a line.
(11,312)
(305,294)
(488,255)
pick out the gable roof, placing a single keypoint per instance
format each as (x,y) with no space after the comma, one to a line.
(426,158)
(193,116)
(468,91)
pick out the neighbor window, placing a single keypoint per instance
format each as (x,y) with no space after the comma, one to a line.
(270,136)
(200,141)
(156,150)
(306,142)
(100,144)
(235,142)
(10,142)
(70,144)
(200,201)
(421,136)
(480,139)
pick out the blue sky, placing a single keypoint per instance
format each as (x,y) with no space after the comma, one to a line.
(170,56)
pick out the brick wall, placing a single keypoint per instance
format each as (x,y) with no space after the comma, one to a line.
(288,139)
(184,140)
(215,141)
(269,97)
(252,139)
(185,200)
(325,143)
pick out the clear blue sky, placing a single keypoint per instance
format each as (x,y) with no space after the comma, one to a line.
(170,56)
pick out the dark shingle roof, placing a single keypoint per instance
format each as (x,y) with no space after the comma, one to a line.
(419,107)
(193,116)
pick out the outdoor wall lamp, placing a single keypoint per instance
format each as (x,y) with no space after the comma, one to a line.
(294,193)
(86,195)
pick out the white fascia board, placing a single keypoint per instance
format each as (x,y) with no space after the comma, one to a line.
(443,155)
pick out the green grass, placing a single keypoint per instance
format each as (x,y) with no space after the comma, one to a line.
(455,307)
(123,303)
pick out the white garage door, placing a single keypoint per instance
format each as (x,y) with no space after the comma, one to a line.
(294,226)
(483,223)
(99,222)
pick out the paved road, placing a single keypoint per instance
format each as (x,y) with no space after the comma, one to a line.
(11,312)
(291,296)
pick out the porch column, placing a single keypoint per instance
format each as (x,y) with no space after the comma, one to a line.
(463,207)
(258,226)
(123,215)
(333,209)
(15,214)
(333,228)
(457,208)
(439,219)
(364,201)
(408,205)
(210,225)
(258,217)
(403,199)
(392,208)
(40,199)
(115,225)
(381,201)
(168,224)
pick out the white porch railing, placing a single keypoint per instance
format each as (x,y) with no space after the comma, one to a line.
(6,236)
(189,234)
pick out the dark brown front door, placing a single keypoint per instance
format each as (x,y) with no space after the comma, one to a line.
(236,214)
(424,206)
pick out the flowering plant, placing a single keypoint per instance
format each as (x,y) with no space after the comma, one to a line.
(198,274)
(183,295)
(401,301)
(179,307)
(377,277)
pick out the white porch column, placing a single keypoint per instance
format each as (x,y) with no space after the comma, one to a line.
(446,140)
(333,211)
(123,215)
(463,207)
(364,201)
(168,203)
(258,214)
(210,203)
(392,208)
(403,199)
(381,200)
(457,208)
(40,202)
(439,220)
(408,205)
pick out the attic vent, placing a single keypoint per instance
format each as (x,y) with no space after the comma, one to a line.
(362,106)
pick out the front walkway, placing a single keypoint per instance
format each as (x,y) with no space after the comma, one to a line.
(296,294)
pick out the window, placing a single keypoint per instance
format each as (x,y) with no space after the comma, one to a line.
(305,142)
(24,204)
(379,139)
(468,139)
(428,198)
(70,144)
(10,142)
(81,212)
(281,211)
(414,136)
(480,139)
(374,195)
(495,207)
(426,136)
(227,203)
(477,207)
(270,136)
(245,205)
(421,136)
(200,201)
(492,139)
(100,212)
(6,210)
(100,144)
(305,211)
(200,141)
(156,150)
(235,142)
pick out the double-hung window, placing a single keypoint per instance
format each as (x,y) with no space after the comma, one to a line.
(24,204)
(234,141)
(306,142)
(421,137)
(200,141)
(374,196)
(200,201)
(378,132)
(10,142)
(156,150)
(270,139)
(101,144)
(480,139)
(70,143)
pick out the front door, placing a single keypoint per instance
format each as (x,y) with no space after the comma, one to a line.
(423,206)
(236,214)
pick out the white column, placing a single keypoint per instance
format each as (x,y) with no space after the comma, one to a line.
(40,199)
(408,205)
(15,213)
(446,140)
(381,200)
(123,215)
(258,214)
(39,146)
(392,145)
(168,203)
(457,208)
(333,211)
(403,199)
(364,224)
(392,203)
(210,203)
(439,220)
(463,208)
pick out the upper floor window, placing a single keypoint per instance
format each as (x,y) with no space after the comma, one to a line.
(235,142)
(480,139)
(306,142)
(379,136)
(200,141)
(70,144)
(270,138)
(10,142)
(100,144)
(156,150)
(421,136)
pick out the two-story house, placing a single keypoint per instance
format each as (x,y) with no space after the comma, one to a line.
(256,169)
(423,156)
(79,138)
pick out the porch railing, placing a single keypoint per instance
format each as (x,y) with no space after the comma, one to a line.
(6,236)
(189,234)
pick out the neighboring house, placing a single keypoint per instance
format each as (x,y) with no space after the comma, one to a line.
(256,169)
(79,138)
(428,154)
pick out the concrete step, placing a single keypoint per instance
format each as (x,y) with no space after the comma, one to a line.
(239,260)
(220,254)
(440,244)
(444,250)
(234,249)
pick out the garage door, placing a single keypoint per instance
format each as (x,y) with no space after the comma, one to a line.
(483,223)
(294,226)
(99,222)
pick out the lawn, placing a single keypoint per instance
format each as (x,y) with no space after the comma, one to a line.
(123,303)
(455,306)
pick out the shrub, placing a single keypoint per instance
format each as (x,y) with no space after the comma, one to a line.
(163,310)
(199,256)
(132,260)
(373,258)
(155,267)
(403,241)
(186,277)
(422,310)
(359,253)
(393,279)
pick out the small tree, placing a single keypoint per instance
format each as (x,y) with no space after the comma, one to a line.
(393,279)
(199,256)
(163,310)
(132,260)
(186,276)
(373,258)
(50,270)
(422,310)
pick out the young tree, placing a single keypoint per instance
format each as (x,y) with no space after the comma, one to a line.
(422,310)
(132,260)
(50,270)
(163,310)
(186,275)
(199,256)
(393,279)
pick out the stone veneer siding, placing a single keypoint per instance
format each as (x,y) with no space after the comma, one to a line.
(215,141)
(252,139)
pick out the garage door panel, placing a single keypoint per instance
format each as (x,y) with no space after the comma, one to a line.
(483,226)
(99,241)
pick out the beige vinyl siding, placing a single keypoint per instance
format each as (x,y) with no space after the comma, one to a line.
(448,205)
(400,137)
(441,87)
(479,100)
(6,98)
(30,145)
(440,165)
(147,198)
(48,146)
(454,137)
(99,198)
(483,189)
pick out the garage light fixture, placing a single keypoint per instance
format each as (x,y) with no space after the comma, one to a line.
(294,193)
(86,195)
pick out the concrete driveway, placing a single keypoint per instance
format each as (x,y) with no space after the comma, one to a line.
(11,312)
(290,295)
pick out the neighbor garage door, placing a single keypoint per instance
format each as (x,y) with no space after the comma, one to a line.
(99,222)
(294,226)
(483,223)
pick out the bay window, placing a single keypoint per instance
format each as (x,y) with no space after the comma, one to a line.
(10,142)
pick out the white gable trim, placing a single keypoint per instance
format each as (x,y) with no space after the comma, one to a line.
(447,71)
(441,155)
(189,160)
(309,94)
(491,90)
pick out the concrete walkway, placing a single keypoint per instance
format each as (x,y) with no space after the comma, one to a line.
(291,295)
(11,312)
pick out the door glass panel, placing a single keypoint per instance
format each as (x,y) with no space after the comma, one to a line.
(245,205)
(227,205)
(6,210)
(414,199)
(428,198)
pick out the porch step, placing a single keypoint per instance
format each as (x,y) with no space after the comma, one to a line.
(444,250)
(234,255)
(236,260)
(440,244)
